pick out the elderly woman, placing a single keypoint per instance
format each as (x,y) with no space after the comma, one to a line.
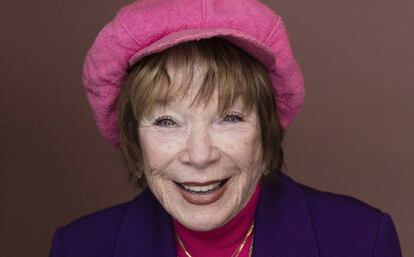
(197,95)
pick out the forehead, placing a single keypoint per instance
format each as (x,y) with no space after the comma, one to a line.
(197,86)
(185,81)
(199,74)
(188,103)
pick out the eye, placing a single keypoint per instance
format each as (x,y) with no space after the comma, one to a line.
(165,121)
(233,117)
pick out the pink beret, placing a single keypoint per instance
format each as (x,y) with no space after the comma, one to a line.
(149,26)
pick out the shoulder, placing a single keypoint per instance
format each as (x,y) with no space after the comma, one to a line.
(95,233)
(333,206)
(347,223)
(115,230)
(100,221)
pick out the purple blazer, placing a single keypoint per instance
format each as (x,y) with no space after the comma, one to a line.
(292,220)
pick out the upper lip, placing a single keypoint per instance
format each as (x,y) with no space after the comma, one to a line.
(193,183)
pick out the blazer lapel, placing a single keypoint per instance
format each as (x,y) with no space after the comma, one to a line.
(283,226)
(146,230)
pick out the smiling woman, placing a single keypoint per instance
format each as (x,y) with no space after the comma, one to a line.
(198,106)
(208,68)
(195,107)
(201,153)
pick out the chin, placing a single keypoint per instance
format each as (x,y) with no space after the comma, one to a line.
(199,221)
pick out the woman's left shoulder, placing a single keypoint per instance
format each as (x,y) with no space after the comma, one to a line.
(341,219)
(328,204)
(334,204)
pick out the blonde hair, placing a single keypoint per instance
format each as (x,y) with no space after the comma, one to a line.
(228,69)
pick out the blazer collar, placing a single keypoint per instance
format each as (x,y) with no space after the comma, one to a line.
(283,225)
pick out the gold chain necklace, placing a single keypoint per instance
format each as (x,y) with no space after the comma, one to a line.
(236,254)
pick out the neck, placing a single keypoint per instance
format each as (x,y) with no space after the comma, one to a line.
(223,241)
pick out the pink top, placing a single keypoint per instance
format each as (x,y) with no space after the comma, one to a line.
(223,241)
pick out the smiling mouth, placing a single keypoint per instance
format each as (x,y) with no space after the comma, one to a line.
(202,188)
(202,193)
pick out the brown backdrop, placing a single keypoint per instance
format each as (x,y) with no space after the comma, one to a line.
(354,135)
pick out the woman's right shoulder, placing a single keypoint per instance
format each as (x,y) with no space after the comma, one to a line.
(100,219)
(94,233)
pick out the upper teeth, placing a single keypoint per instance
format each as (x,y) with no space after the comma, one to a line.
(201,189)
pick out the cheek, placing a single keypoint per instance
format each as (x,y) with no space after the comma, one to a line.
(246,148)
(158,149)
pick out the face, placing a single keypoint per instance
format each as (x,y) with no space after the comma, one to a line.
(201,167)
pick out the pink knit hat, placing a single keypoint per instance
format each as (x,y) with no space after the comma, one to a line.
(149,26)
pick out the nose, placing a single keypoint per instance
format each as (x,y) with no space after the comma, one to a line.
(200,151)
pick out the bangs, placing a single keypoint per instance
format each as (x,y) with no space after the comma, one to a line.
(223,68)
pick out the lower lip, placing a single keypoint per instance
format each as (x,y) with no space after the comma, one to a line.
(203,199)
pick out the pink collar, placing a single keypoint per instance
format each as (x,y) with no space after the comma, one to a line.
(223,241)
